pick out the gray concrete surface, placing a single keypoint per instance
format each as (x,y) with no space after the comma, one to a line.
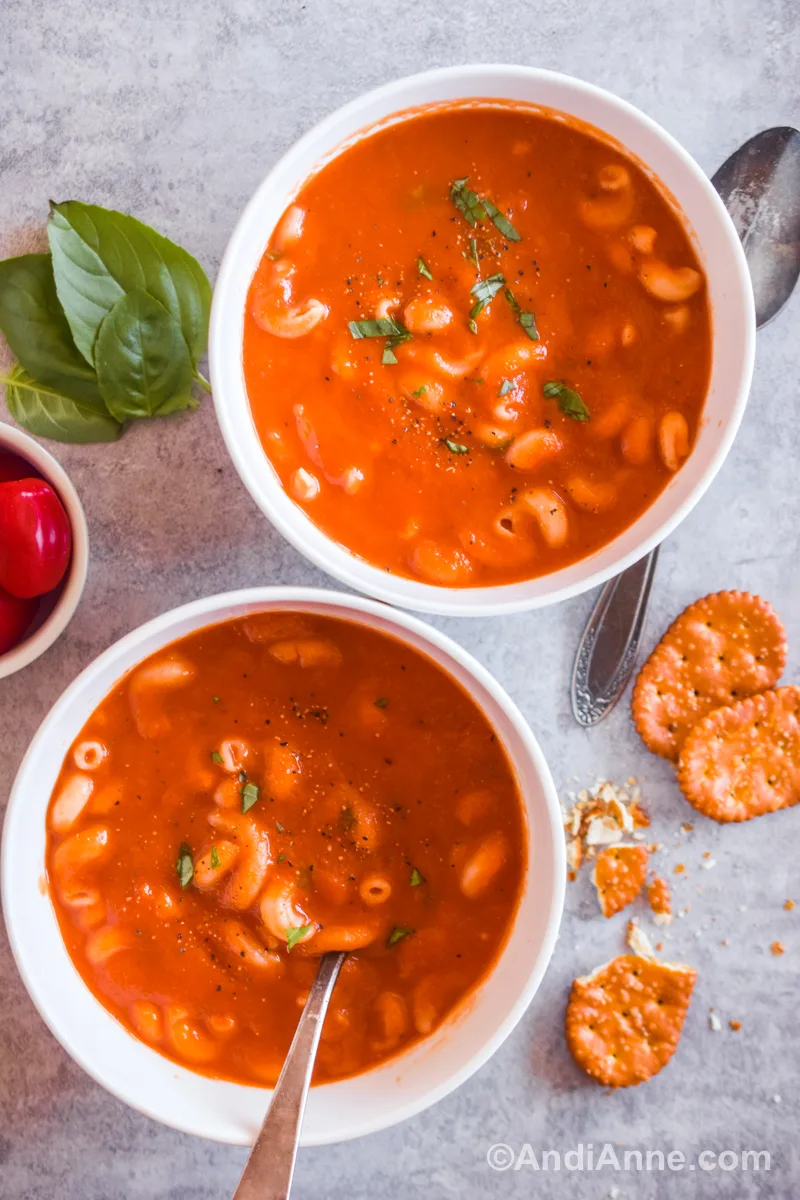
(175,112)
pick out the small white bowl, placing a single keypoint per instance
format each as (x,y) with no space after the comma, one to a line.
(55,612)
(231,1112)
(718,248)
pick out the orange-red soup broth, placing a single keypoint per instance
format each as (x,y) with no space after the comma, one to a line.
(550,386)
(267,789)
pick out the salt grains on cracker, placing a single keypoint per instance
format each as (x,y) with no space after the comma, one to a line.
(624,1021)
(619,875)
(744,760)
(719,650)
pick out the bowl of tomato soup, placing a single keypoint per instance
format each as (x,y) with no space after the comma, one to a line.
(243,784)
(481,339)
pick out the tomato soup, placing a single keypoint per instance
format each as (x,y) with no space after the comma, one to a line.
(265,790)
(478,345)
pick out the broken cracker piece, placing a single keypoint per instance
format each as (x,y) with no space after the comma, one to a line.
(619,875)
(660,901)
(638,940)
(719,650)
(777,948)
(624,1021)
(744,760)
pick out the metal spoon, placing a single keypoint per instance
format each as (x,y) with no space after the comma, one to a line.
(270,1167)
(760,187)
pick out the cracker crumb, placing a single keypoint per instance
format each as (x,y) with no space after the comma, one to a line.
(638,940)
(789,905)
(777,948)
(678,869)
(708,864)
(735,1025)
(687,827)
(714,1022)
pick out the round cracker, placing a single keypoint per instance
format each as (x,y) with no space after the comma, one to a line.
(624,1022)
(619,875)
(719,650)
(743,760)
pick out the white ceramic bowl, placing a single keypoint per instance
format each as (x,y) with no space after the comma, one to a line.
(230,1112)
(717,246)
(52,620)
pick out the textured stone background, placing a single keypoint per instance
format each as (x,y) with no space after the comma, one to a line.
(175,112)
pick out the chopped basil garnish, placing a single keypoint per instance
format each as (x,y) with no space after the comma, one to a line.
(528,322)
(472,326)
(394,332)
(456,447)
(249,796)
(185,865)
(526,319)
(279,827)
(295,935)
(466,201)
(473,253)
(476,208)
(381,702)
(417,879)
(505,387)
(377,327)
(281,857)
(569,401)
(484,291)
(423,268)
(215,699)
(214,857)
(420,391)
(216,756)
(399,931)
(501,222)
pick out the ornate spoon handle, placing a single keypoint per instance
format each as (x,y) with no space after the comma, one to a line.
(607,651)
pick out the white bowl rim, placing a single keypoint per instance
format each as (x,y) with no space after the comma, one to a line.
(350,606)
(335,559)
(27,651)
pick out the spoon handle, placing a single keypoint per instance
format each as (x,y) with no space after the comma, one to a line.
(607,651)
(269,1169)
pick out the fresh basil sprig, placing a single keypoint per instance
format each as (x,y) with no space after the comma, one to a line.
(107,328)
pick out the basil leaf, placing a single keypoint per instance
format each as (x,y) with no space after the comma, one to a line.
(143,363)
(47,413)
(296,934)
(249,796)
(466,201)
(423,268)
(569,401)
(473,253)
(214,858)
(388,358)
(505,387)
(528,322)
(279,827)
(216,757)
(399,931)
(417,878)
(185,866)
(99,255)
(526,319)
(484,291)
(456,447)
(472,326)
(476,208)
(37,331)
(381,702)
(501,222)
(377,327)
(419,392)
